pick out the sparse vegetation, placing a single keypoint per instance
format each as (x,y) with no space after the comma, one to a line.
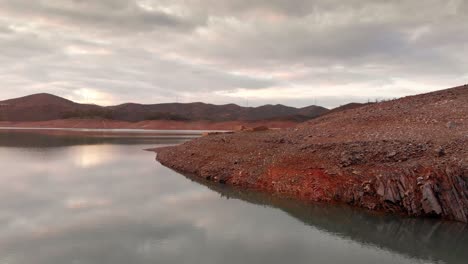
(165,116)
(90,114)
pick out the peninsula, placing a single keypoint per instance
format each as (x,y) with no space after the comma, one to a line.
(407,156)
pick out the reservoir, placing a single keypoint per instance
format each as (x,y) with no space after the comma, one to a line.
(99,198)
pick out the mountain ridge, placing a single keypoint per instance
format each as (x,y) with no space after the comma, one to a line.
(46,107)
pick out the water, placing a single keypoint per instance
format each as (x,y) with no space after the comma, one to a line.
(100,199)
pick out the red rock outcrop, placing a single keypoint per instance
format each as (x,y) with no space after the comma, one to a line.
(407,156)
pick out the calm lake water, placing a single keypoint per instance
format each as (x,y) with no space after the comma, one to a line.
(74,199)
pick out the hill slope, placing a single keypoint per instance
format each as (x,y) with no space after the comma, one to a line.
(407,156)
(40,107)
(346,107)
(46,107)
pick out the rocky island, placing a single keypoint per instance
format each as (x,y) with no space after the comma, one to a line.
(407,156)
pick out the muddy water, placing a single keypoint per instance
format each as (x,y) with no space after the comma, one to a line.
(75,199)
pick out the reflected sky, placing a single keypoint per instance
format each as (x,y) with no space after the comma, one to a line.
(100,201)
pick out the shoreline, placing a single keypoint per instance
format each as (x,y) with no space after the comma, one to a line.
(205,126)
(413,187)
(110,133)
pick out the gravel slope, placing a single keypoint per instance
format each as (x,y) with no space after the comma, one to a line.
(407,156)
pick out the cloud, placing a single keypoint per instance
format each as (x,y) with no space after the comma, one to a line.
(216,50)
(101,15)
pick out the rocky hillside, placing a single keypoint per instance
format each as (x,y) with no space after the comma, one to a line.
(46,107)
(407,156)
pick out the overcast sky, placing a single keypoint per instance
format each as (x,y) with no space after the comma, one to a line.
(294,52)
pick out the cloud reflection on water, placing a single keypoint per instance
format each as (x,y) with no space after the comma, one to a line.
(92,155)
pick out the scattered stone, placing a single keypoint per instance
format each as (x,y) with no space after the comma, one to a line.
(451,125)
(348,159)
(440,151)
(420,180)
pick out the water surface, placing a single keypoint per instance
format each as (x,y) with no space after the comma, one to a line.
(99,199)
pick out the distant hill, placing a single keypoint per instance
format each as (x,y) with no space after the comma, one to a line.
(40,107)
(45,107)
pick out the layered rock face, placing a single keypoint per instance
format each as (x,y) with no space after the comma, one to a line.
(407,156)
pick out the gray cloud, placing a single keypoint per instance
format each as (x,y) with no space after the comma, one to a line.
(111,51)
(101,15)
(5,30)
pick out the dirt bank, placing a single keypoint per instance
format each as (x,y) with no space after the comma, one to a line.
(407,156)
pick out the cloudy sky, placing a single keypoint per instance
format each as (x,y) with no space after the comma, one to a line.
(295,52)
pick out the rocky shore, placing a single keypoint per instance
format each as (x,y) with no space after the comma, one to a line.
(407,156)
